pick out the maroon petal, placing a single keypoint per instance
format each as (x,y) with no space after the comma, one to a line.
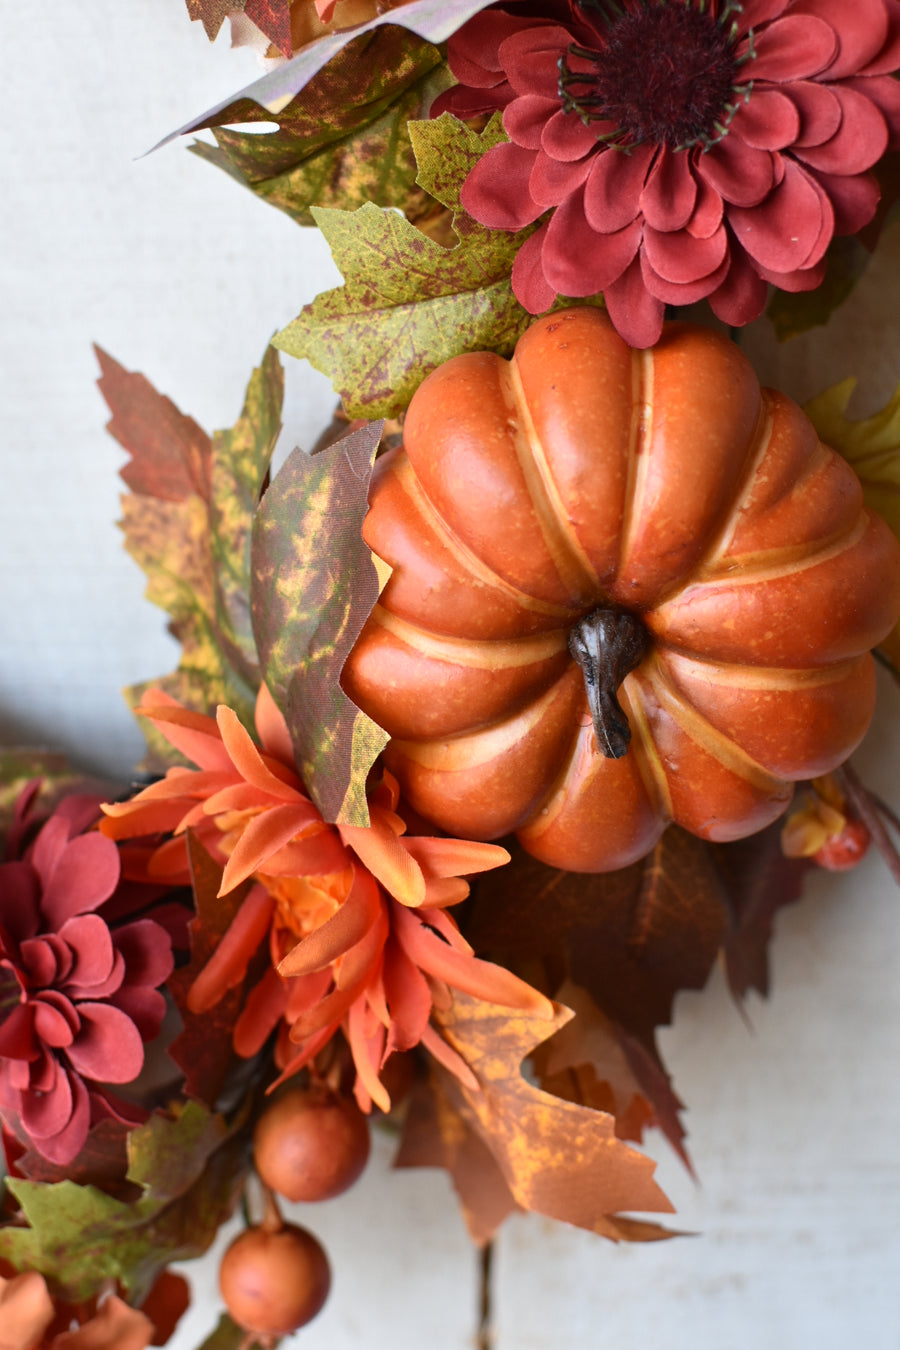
(17,1040)
(681,258)
(147,950)
(49,1111)
(91,945)
(45,960)
(496,190)
(52,1027)
(20,896)
(792,229)
(819,109)
(566,137)
(636,314)
(102,988)
(145,1007)
(530,58)
(85,874)
(63,1005)
(525,117)
(473,50)
(708,211)
(464,102)
(793,48)
(859,143)
(681,293)
(670,192)
(577,261)
(884,93)
(767,121)
(529,284)
(888,59)
(65,1145)
(48,846)
(801,279)
(854,200)
(109,1047)
(738,173)
(613,188)
(741,296)
(861,27)
(551,181)
(754,13)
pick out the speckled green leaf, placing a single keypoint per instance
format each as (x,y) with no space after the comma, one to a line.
(314,585)
(186,522)
(446,152)
(188,1165)
(332,149)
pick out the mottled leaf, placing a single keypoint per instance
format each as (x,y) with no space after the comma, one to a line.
(189,1165)
(314,585)
(227,1336)
(187,523)
(557,1158)
(345,139)
(273,19)
(431,20)
(20,766)
(213,13)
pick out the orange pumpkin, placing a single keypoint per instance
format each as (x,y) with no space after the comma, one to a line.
(629,588)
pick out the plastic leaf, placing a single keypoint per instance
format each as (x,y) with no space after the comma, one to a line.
(188,1166)
(557,1158)
(332,150)
(796,312)
(187,521)
(314,585)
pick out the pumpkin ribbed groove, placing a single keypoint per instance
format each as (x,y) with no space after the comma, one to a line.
(584,476)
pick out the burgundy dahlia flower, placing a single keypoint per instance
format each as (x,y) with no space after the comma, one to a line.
(682,148)
(78,988)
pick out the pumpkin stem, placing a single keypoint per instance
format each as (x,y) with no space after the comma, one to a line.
(608,644)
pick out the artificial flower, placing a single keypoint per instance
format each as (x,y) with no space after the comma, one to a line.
(353,915)
(679,149)
(27,1314)
(822,827)
(79,989)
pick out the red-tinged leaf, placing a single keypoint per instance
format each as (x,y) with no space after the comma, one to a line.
(314,585)
(558,1158)
(273,19)
(431,20)
(203,1048)
(103,1161)
(436,1135)
(166,1304)
(758,881)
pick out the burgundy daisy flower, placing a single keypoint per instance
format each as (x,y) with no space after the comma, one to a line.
(683,148)
(78,990)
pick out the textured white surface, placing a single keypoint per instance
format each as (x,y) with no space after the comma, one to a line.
(179,273)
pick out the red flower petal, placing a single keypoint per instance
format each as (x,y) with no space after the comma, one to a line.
(884,92)
(682,258)
(530,286)
(20,895)
(708,211)
(474,49)
(741,296)
(566,137)
(49,1111)
(793,48)
(525,117)
(108,1047)
(17,1040)
(577,261)
(65,1144)
(859,142)
(49,845)
(85,875)
(147,951)
(861,27)
(553,180)
(50,1024)
(737,172)
(613,187)
(89,940)
(670,192)
(767,121)
(801,279)
(819,109)
(792,229)
(754,13)
(496,190)
(684,292)
(854,200)
(45,960)
(888,59)
(636,314)
(530,58)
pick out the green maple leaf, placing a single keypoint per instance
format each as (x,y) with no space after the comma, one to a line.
(333,150)
(314,585)
(187,524)
(188,1166)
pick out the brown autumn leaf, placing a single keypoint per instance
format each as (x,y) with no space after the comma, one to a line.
(273,19)
(436,1135)
(557,1158)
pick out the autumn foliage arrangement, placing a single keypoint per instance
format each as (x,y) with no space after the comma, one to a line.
(562,634)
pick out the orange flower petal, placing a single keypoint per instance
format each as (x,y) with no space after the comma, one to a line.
(441,892)
(274,778)
(362,1057)
(266,1003)
(408,998)
(446,926)
(453,857)
(129,820)
(272,728)
(387,859)
(228,964)
(346,927)
(262,836)
(195,735)
(315,855)
(449,1058)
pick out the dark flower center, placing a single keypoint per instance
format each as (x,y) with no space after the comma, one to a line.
(663,71)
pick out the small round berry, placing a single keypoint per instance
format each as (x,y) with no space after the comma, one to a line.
(311,1144)
(274,1282)
(846,849)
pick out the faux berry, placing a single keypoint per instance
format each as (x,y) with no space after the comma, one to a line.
(274,1282)
(311,1144)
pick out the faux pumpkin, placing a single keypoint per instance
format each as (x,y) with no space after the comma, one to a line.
(629,588)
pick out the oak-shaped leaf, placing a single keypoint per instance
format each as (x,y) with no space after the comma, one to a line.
(558,1158)
(344,139)
(271,17)
(872,447)
(189,1165)
(431,20)
(435,1134)
(187,523)
(314,583)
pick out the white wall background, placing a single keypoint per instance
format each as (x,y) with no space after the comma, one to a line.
(177,272)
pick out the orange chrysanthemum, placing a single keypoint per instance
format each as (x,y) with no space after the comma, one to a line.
(354,915)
